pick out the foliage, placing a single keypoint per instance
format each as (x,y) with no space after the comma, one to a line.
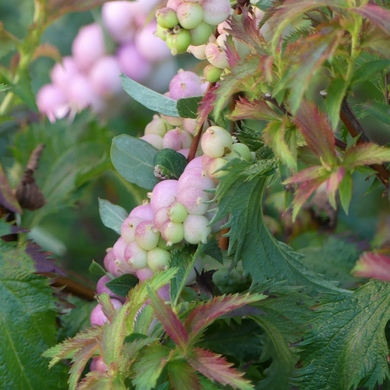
(257,277)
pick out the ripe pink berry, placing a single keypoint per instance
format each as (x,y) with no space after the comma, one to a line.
(185,84)
(128,228)
(61,74)
(143,211)
(196,229)
(195,177)
(215,11)
(216,55)
(135,256)
(154,140)
(98,318)
(194,200)
(110,264)
(160,217)
(102,288)
(52,102)
(97,364)
(146,236)
(132,63)
(144,273)
(177,139)
(163,194)
(104,77)
(88,46)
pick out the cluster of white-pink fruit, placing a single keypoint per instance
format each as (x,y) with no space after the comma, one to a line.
(90,76)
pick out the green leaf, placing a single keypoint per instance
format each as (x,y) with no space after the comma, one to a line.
(334,97)
(345,191)
(346,347)
(5,228)
(380,111)
(148,98)
(24,91)
(263,257)
(365,154)
(134,158)
(122,284)
(182,376)
(96,269)
(149,366)
(169,164)
(7,197)
(188,107)
(112,215)
(27,323)
(4,87)
(368,70)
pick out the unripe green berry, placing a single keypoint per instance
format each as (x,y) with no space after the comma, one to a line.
(158,259)
(240,151)
(166,17)
(190,15)
(211,73)
(178,42)
(216,142)
(161,32)
(200,35)
(177,212)
(214,168)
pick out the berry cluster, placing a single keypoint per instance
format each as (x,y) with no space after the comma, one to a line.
(90,77)
(175,132)
(177,213)
(192,22)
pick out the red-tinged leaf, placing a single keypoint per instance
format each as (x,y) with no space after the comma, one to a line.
(274,136)
(68,348)
(205,314)
(47,50)
(332,185)
(377,15)
(169,320)
(292,9)
(345,191)
(373,265)
(317,132)
(101,381)
(7,198)
(308,174)
(305,57)
(376,41)
(243,77)
(149,366)
(365,154)
(217,368)
(205,107)
(244,28)
(256,109)
(182,376)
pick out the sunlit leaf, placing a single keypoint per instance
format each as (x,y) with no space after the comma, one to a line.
(373,265)
(365,154)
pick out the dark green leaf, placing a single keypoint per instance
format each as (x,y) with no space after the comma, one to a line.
(24,91)
(148,98)
(7,197)
(368,70)
(112,215)
(169,164)
(346,347)
(133,158)
(188,107)
(380,111)
(182,376)
(122,284)
(334,97)
(27,324)
(96,269)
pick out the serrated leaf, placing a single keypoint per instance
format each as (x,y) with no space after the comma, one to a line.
(182,376)
(122,284)
(345,191)
(334,97)
(169,320)
(27,324)
(205,314)
(149,366)
(380,111)
(217,368)
(23,89)
(368,70)
(101,381)
(365,154)
(255,109)
(112,215)
(96,269)
(346,347)
(188,107)
(169,164)
(148,98)
(306,57)
(317,132)
(133,158)
(4,87)
(263,257)
(373,266)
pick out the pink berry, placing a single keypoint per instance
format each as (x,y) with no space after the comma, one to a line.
(146,236)
(143,211)
(102,288)
(135,256)
(144,273)
(128,228)
(163,194)
(104,77)
(196,229)
(195,177)
(97,364)
(52,102)
(98,318)
(185,84)
(215,11)
(153,139)
(132,63)
(61,74)
(194,200)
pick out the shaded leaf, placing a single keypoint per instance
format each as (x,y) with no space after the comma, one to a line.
(380,111)
(368,70)
(365,154)
(7,198)
(133,158)
(122,284)
(188,107)
(334,97)
(169,164)
(148,98)
(346,346)
(217,368)
(182,376)
(373,265)
(96,269)
(112,215)
(377,15)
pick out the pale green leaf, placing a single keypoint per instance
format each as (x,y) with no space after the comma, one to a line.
(148,98)
(133,158)
(112,215)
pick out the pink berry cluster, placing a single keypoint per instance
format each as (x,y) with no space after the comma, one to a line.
(90,76)
(177,213)
(174,132)
(183,23)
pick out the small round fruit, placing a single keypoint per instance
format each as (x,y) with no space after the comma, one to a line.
(190,15)
(158,259)
(166,17)
(178,42)
(216,142)
(211,73)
